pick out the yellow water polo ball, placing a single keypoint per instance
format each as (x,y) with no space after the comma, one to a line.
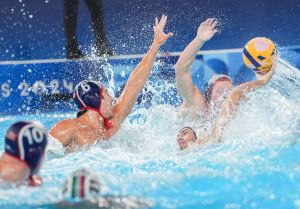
(258,54)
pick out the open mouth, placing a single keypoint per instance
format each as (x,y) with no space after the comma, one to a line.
(182,143)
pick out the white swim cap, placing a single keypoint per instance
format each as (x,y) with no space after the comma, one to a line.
(82,184)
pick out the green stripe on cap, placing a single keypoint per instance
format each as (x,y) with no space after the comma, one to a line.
(74,181)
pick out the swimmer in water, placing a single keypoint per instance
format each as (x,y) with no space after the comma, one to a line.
(188,137)
(25,144)
(99,118)
(82,189)
(194,102)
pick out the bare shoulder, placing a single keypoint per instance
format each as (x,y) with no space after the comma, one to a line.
(65,129)
(65,124)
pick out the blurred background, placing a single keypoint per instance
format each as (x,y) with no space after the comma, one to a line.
(37,35)
(34,29)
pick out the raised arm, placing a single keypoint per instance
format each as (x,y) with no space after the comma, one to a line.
(231,103)
(138,77)
(184,82)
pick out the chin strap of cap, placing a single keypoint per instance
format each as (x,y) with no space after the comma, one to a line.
(107,122)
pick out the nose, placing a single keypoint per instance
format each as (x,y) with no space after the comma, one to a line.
(179,140)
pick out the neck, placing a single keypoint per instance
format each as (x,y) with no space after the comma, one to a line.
(12,169)
(92,119)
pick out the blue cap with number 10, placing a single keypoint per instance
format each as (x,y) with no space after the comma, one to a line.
(27,142)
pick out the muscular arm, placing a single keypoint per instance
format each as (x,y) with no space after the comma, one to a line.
(135,83)
(138,77)
(184,82)
(231,103)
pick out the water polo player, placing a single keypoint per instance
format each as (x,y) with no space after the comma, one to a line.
(25,144)
(187,136)
(259,57)
(98,117)
(193,100)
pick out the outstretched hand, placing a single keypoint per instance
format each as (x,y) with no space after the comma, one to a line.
(207,29)
(159,36)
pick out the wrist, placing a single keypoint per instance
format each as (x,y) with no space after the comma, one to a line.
(155,45)
(200,39)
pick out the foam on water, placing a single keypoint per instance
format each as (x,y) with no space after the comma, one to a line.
(257,165)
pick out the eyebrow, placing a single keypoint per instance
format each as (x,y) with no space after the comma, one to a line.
(181,131)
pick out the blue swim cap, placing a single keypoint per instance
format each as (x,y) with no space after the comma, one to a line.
(88,95)
(27,142)
(82,184)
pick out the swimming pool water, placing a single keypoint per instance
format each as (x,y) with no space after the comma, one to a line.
(256,166)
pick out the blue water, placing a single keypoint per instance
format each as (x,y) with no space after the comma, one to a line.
(256,166)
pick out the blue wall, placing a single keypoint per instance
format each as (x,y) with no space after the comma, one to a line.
(26,88)
(33,29)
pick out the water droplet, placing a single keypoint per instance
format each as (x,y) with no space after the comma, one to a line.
(123,74)
(30,16)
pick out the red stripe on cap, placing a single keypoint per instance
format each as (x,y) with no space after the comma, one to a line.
(82,187)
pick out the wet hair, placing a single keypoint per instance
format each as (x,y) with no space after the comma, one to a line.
(81,113)
(187,127)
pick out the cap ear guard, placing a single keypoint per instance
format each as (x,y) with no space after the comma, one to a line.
(27,142)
